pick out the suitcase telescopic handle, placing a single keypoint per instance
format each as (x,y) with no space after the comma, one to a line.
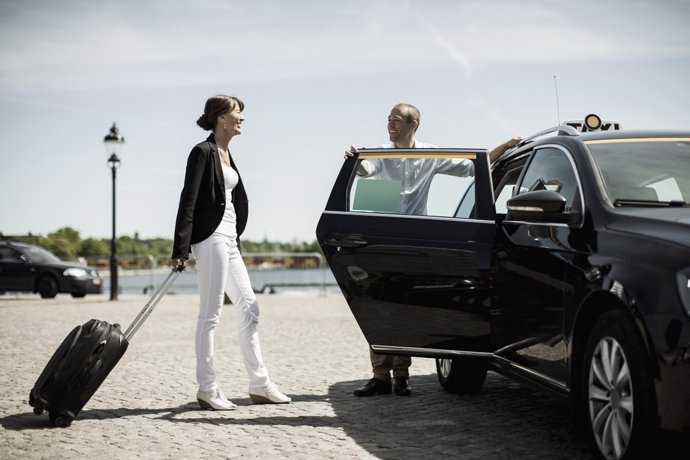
(151,304)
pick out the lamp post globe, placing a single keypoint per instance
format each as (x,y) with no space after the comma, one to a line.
(114,142)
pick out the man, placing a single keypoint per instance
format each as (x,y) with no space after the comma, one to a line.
(415,176)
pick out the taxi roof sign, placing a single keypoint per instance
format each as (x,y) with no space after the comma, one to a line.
(592,122)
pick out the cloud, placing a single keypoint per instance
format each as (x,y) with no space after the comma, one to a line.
(439,38)
(491,113)
(76,45)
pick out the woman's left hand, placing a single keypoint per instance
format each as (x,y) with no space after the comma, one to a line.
(178,264)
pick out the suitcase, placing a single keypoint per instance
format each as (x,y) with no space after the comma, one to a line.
(83,361)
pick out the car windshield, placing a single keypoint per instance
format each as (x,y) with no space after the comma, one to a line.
(39,255)
(644,171)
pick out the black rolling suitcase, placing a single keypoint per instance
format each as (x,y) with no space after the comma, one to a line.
(83,361)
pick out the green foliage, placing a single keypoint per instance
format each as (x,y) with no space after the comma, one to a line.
(92,248)
(67,244)
(274,246)
(30,239)
(67,234)
(61,247)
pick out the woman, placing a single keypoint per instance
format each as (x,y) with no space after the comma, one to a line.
(210,219)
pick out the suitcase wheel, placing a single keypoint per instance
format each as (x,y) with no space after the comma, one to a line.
(38,408)
(39,404)
(63,420)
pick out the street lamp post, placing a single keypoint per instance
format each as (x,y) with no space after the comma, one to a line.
(114,142)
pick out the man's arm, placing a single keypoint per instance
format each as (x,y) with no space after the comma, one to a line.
(501,149)
(455,167)
(368,168)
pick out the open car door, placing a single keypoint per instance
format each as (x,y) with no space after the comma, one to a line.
(408,235)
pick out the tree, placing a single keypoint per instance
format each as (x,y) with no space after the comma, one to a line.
(61,247)
(67,243)
(92,247)
(68,234)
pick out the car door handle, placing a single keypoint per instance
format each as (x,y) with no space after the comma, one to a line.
(346,242)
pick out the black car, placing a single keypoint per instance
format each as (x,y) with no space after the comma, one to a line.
(565,264)
(29,268)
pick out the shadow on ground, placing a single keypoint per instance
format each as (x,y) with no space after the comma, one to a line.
(505,421)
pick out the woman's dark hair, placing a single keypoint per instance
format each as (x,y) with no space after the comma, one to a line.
(215,106)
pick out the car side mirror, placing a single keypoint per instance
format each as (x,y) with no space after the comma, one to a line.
(540,206)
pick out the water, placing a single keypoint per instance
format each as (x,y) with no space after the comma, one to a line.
(269,281)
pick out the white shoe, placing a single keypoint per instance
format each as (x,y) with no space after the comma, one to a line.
(214,400)
(270,394)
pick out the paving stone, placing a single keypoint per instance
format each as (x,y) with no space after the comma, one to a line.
(315,353)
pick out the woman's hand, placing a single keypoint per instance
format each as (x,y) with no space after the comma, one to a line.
(178,264)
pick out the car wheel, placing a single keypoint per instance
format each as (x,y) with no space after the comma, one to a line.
(47,287)
(618,389)
(78,295)
(461,375)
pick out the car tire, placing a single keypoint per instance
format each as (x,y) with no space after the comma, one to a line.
(617,390)
(79,295)
(461,375)
(47,287)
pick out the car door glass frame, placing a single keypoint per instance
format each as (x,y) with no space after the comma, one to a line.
(482,214)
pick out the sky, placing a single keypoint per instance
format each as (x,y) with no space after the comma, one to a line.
(316,77)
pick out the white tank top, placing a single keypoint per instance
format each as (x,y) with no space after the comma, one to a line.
(227,226)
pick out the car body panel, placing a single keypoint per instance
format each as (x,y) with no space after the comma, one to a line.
(524,294)
(413,269)
(21,271)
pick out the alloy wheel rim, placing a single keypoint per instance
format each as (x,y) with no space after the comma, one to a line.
(610,398)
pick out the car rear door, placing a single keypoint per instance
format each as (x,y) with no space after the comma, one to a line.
(417,284)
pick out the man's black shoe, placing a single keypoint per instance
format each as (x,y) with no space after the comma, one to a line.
(401,386)
(374,387)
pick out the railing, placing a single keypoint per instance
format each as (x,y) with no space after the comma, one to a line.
(268,271)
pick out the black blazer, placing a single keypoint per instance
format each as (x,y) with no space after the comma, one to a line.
(202,201)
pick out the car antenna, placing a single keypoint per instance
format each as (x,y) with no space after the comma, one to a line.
(558,109)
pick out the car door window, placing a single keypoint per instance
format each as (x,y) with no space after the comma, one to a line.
(551,169)
(10,255)
(505,189)
(446,195)
(428,183)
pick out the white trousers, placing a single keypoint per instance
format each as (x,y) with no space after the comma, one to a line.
(221,269)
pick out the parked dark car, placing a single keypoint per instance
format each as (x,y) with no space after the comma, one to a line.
(565,264)
(29,268)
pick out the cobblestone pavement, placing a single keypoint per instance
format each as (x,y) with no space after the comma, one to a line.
(315,353)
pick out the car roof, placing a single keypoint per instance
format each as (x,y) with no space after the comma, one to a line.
(632,134)
(10,243)
(17,244)
(560,133)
